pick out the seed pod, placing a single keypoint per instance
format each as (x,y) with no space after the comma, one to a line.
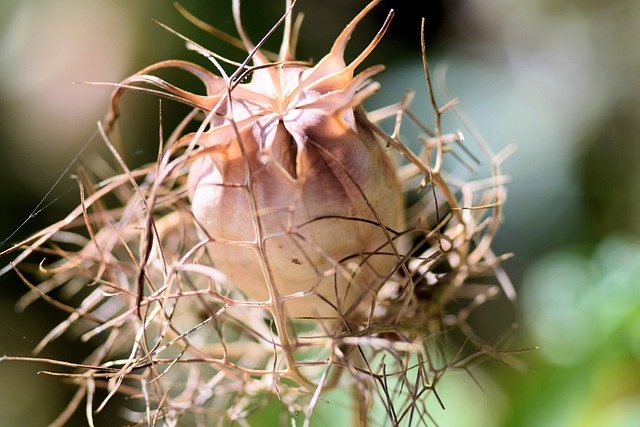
(289,183)
(294,189)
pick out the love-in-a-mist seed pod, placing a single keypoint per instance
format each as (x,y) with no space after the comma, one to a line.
(293,191)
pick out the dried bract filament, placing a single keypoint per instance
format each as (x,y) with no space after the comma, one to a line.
(261,255)
(290,185)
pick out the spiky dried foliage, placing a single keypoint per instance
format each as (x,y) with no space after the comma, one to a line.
(190,345)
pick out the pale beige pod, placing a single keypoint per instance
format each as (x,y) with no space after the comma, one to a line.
(289,183)
(296,193)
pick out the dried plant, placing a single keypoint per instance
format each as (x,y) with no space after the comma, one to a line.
(277,252)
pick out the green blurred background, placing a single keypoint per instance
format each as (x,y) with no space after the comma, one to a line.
(558,78)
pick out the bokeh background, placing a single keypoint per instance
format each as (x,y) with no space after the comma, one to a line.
(558,78)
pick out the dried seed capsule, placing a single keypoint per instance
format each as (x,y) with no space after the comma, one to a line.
(294,188)
(289,182)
